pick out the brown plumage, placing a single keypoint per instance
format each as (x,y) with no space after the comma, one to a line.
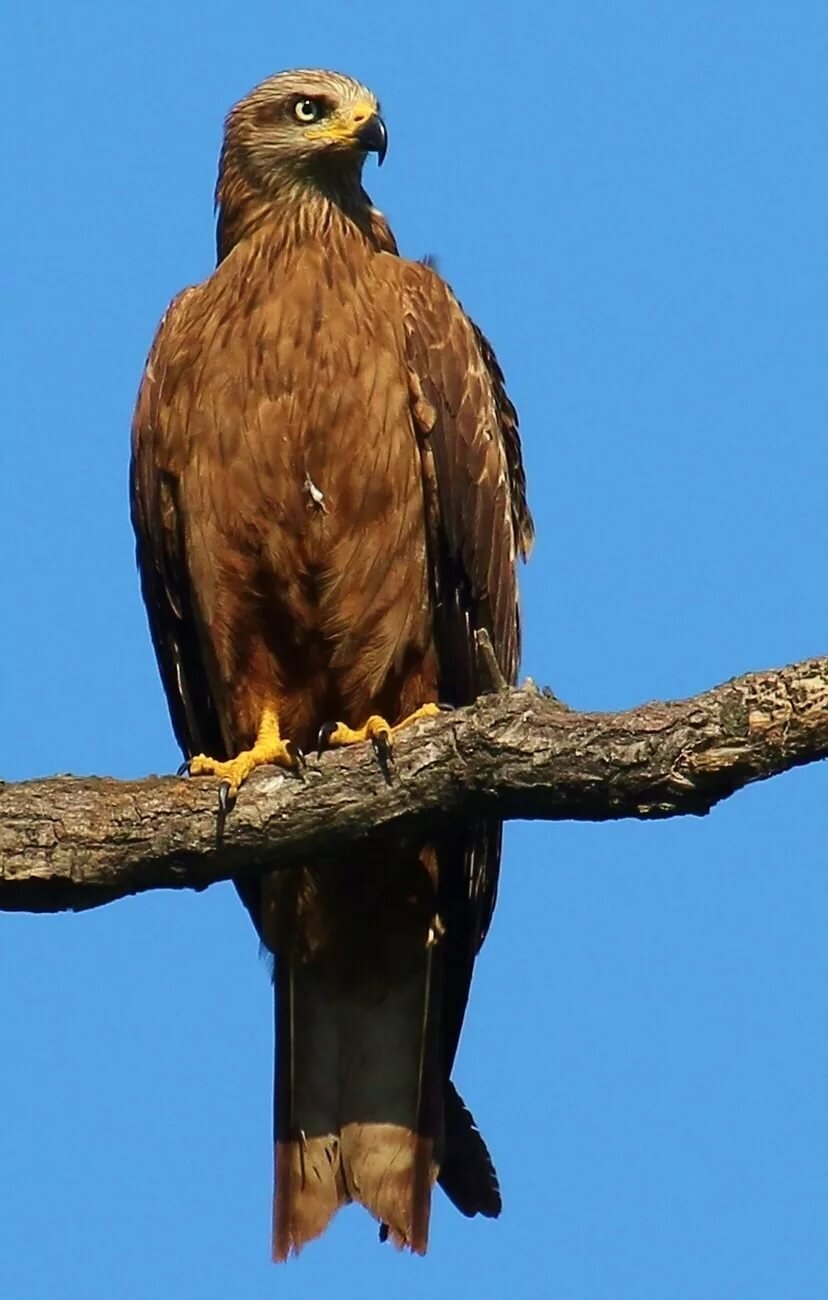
(328,499)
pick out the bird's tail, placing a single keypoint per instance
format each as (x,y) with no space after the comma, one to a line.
(358,1094)
(357,1106)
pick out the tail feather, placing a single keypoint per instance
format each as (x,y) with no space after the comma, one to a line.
(358,1103)
(363,1110)
(391,1172)
(308,1192)
(308,1183)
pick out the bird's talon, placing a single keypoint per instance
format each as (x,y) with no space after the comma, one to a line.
(184,768)
(445,708)
(323,736)
(226,798)
(382,748)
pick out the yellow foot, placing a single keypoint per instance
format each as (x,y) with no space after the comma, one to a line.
(280,753)
(376,729)
(268,749)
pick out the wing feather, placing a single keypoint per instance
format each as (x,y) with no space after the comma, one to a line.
(478,523)
(158,521)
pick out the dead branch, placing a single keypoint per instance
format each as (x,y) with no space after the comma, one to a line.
(76,842)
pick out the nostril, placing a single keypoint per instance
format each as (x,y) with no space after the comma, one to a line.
(359,117)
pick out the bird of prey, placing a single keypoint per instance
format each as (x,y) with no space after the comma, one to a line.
(329,501)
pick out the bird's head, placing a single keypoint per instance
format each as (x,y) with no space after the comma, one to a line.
(303,126)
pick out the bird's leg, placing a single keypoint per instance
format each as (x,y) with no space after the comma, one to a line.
(376,729)
(269,748)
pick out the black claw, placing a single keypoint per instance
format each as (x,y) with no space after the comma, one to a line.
(382,747)
(445,708)
(298,756)
(184,769)
(225,803)
(323,736)
(384,753)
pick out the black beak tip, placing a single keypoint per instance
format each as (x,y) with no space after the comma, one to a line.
(373,138)
(383,146)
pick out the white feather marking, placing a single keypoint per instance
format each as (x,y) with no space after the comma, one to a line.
(316,495)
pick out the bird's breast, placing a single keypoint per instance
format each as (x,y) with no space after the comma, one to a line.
(316,422)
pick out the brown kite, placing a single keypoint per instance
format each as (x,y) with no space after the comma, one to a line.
(329,500)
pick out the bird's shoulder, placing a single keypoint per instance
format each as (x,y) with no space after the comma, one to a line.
(456,368)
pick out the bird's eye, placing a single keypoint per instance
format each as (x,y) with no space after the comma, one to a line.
(307,110)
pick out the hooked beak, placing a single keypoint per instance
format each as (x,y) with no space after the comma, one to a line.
(372,136)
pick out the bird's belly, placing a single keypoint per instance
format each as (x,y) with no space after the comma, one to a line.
(340,590)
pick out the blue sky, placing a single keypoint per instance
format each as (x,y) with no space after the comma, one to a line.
(631,200)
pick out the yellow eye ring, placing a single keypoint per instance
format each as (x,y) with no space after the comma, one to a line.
(306,111)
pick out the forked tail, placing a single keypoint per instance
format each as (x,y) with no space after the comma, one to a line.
(358,1099)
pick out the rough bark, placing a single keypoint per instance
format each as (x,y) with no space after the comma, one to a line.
(75,842)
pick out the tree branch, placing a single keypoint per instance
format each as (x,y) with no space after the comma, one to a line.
(75,842)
